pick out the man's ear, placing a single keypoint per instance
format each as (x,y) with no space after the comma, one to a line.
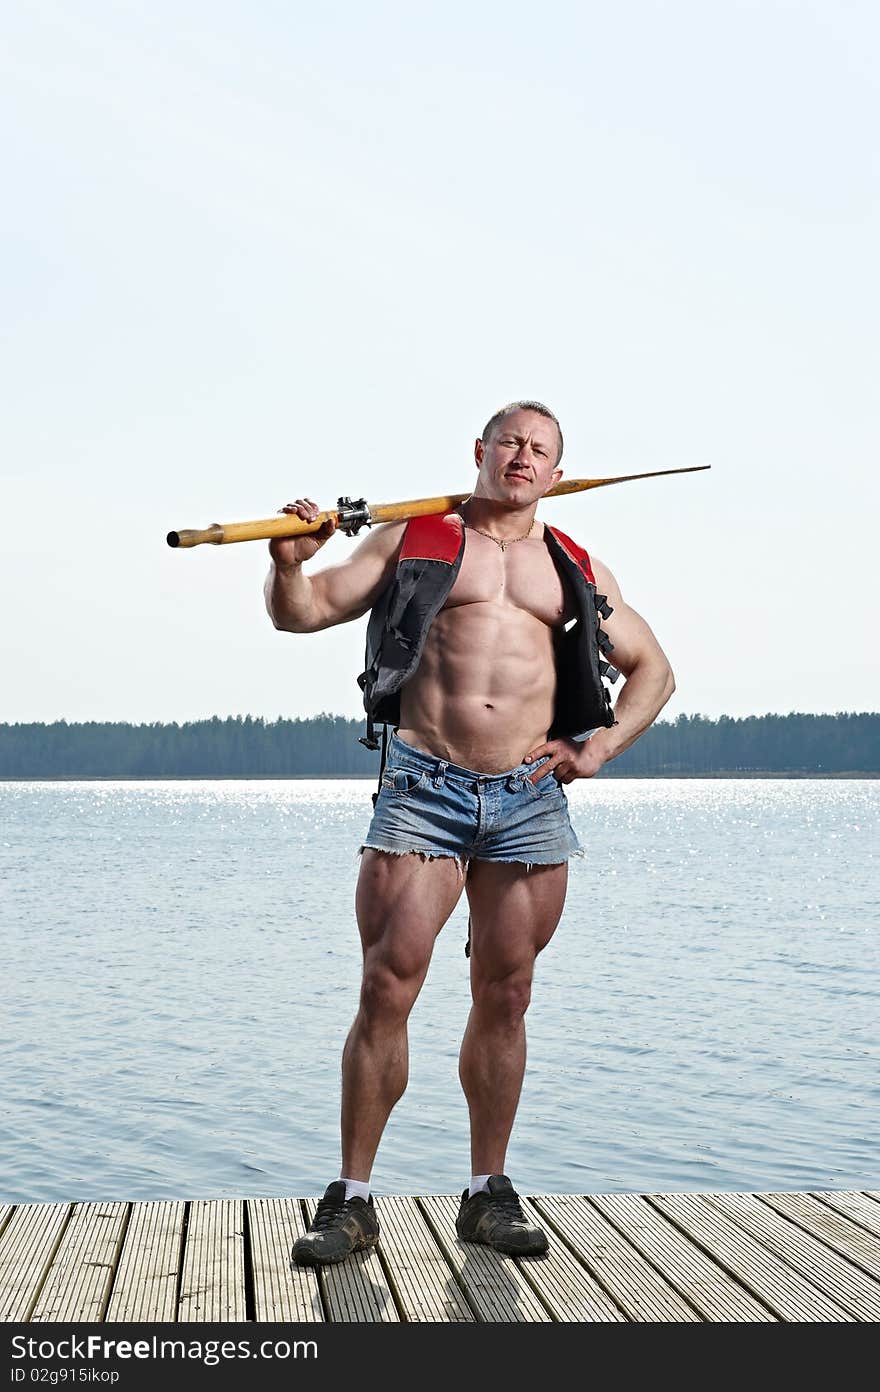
(554,479)
(479,451)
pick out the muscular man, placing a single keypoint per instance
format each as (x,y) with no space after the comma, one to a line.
(472,793)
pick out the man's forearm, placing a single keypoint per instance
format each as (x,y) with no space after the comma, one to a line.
(289,599)
(645,692)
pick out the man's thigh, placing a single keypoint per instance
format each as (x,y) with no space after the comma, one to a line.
(402,902)
(515,909)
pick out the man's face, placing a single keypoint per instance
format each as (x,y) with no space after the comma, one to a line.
(517,463)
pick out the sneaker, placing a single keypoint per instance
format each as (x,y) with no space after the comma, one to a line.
(340,1226)
(497,1219)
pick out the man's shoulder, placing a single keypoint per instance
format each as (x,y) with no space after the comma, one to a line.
(384,538)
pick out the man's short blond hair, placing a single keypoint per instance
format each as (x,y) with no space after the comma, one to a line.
(537,406)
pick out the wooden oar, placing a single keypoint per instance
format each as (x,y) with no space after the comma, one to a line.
(350,515)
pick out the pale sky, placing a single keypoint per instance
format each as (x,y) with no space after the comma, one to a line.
(257,250)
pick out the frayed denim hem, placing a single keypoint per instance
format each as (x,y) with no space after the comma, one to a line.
(463,861)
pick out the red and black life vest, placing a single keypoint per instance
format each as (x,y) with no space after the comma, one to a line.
(429,561)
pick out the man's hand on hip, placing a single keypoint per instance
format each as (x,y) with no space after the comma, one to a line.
(567,759)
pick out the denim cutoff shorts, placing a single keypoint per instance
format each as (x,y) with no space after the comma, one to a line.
(441,809)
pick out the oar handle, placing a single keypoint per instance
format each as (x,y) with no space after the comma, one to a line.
(264,528)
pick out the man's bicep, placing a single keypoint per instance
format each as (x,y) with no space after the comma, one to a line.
(633,639)
(632,636)
(346,591)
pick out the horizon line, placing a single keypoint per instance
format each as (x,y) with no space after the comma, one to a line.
(360,719)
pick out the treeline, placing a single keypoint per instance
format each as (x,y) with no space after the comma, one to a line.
(325,746)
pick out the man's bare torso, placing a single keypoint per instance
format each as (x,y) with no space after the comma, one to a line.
(483,693)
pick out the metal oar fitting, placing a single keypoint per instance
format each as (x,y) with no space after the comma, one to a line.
(353,515)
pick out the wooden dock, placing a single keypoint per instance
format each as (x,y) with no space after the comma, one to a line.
(718,1257)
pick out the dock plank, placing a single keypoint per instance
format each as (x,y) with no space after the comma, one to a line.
(77,1286)
(145,1284)
(844,1283)
(702,1282)
(858,1207)
(355,1291)
(495,1288)
(212,1282)
(27,1246)
(772,1280)
(838,1232)
(565,1285)
(282,1291)
(424,1284)
(642,1293)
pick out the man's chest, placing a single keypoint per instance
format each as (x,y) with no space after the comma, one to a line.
(522,576)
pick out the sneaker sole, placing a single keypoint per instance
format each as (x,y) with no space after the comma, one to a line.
(536,1249)
(307,1257)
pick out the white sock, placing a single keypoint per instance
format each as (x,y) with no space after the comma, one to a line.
(479,1182)
(356,1188)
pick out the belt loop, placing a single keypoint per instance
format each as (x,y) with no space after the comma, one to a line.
(440,773)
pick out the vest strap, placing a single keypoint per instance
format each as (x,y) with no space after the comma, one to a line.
(383,759)
(369,740)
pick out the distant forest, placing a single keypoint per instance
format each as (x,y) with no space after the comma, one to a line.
(326,746)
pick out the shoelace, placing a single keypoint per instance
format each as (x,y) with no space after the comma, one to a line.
(508,1206)
(326,1212)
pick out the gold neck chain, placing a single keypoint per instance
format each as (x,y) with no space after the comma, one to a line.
(506,541)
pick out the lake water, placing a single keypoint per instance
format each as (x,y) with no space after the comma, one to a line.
(181,966)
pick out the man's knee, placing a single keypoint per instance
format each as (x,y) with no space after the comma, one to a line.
(387,996)
(506,999)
